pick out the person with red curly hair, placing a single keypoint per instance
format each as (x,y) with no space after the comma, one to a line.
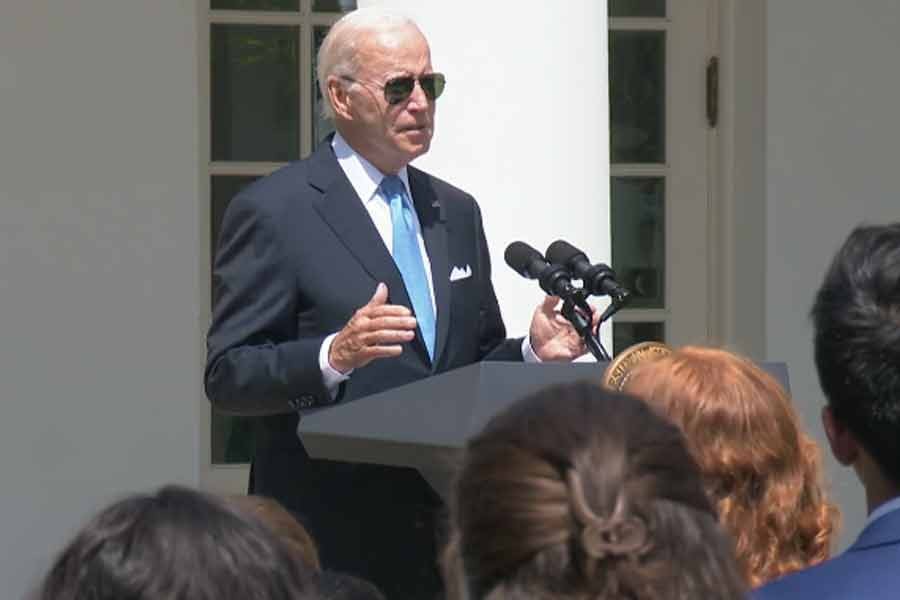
(759,467)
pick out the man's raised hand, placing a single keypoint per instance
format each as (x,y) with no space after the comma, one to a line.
(375,330)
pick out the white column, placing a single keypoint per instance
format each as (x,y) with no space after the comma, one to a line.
(103,310)
(523,125)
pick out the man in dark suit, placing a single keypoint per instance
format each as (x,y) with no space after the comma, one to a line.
(349,273)
(856,317)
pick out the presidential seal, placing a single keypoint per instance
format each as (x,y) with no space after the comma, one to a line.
(621,366)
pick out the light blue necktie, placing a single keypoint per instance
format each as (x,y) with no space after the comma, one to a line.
(408,257)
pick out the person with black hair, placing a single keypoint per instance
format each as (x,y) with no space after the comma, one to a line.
(856,317)
(177,544)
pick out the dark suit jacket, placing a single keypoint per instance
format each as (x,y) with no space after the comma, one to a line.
(869,569)
(297,255)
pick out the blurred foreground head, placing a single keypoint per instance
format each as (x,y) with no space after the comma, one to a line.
(334,585)
(759,467)
(578,492)
(177,544)
(282,523)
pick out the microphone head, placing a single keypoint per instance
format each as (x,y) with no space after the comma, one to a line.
(523,259)
(562,252)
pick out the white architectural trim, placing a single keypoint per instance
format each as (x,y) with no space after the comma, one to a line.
(737,208)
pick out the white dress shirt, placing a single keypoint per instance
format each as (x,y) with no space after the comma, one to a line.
(883,509)
(365,179)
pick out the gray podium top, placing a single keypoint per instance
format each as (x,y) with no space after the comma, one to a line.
(425,424)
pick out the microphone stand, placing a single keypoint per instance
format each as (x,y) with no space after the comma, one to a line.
(582,324)
(616,303)
(577,299)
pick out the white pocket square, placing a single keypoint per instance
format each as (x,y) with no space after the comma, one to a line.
(460,273)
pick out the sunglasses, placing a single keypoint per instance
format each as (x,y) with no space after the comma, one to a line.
(398,89)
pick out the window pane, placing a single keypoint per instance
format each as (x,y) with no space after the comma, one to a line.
(637,96)
(292,5)
(255,92)
(232,437)
(629,334)
(334,5)
(321,125)
(638,238)
(637,8)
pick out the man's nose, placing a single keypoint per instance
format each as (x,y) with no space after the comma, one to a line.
(417,99)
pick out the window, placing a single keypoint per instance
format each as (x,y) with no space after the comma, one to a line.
(659,169)
(264,108)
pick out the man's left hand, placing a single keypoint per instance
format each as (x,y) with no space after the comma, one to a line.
(552,336)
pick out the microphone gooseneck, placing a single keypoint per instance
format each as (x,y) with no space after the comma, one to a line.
(556,280)
(598,279)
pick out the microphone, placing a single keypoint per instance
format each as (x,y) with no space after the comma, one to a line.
(531,264)
(556,281)
(598,280)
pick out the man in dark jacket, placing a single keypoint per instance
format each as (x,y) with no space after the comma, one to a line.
(349,273)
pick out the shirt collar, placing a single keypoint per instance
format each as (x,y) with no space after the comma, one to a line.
(363,175)
(883,509)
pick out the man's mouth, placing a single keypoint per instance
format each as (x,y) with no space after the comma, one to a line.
(414,128)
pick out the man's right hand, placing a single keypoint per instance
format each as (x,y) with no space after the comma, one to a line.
(376,330)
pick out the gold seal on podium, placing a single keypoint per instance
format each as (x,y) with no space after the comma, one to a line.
(618,370)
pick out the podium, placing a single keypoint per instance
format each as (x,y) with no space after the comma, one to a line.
(425,424)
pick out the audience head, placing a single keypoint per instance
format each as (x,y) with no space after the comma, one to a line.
(579,492)
(856,317)
(375,76)
(759,467)
(283,524)
(177,544)
(332,585)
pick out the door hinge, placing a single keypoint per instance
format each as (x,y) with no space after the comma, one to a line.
(712,92)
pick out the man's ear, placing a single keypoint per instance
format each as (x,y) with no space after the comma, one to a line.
(843,444)
(340,99)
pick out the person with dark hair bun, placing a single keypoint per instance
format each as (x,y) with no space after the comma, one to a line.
(856,318)
(759,467)
(578,492)
(177,544)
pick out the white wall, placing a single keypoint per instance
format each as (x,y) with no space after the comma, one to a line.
(523,126)
(739,318)
(832,137)
(99,237)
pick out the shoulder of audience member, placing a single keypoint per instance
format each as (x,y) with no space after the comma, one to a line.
(811,583)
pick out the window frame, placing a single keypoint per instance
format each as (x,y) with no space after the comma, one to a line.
(233,477)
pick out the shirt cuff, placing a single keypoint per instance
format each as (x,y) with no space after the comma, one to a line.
(331,377)
(528,354)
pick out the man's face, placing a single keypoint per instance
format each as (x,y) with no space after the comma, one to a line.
(390,135)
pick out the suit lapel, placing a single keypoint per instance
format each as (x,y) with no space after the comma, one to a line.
(431,215)
(340,207)
(342,210)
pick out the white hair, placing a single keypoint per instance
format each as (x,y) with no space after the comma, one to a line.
(338,52)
